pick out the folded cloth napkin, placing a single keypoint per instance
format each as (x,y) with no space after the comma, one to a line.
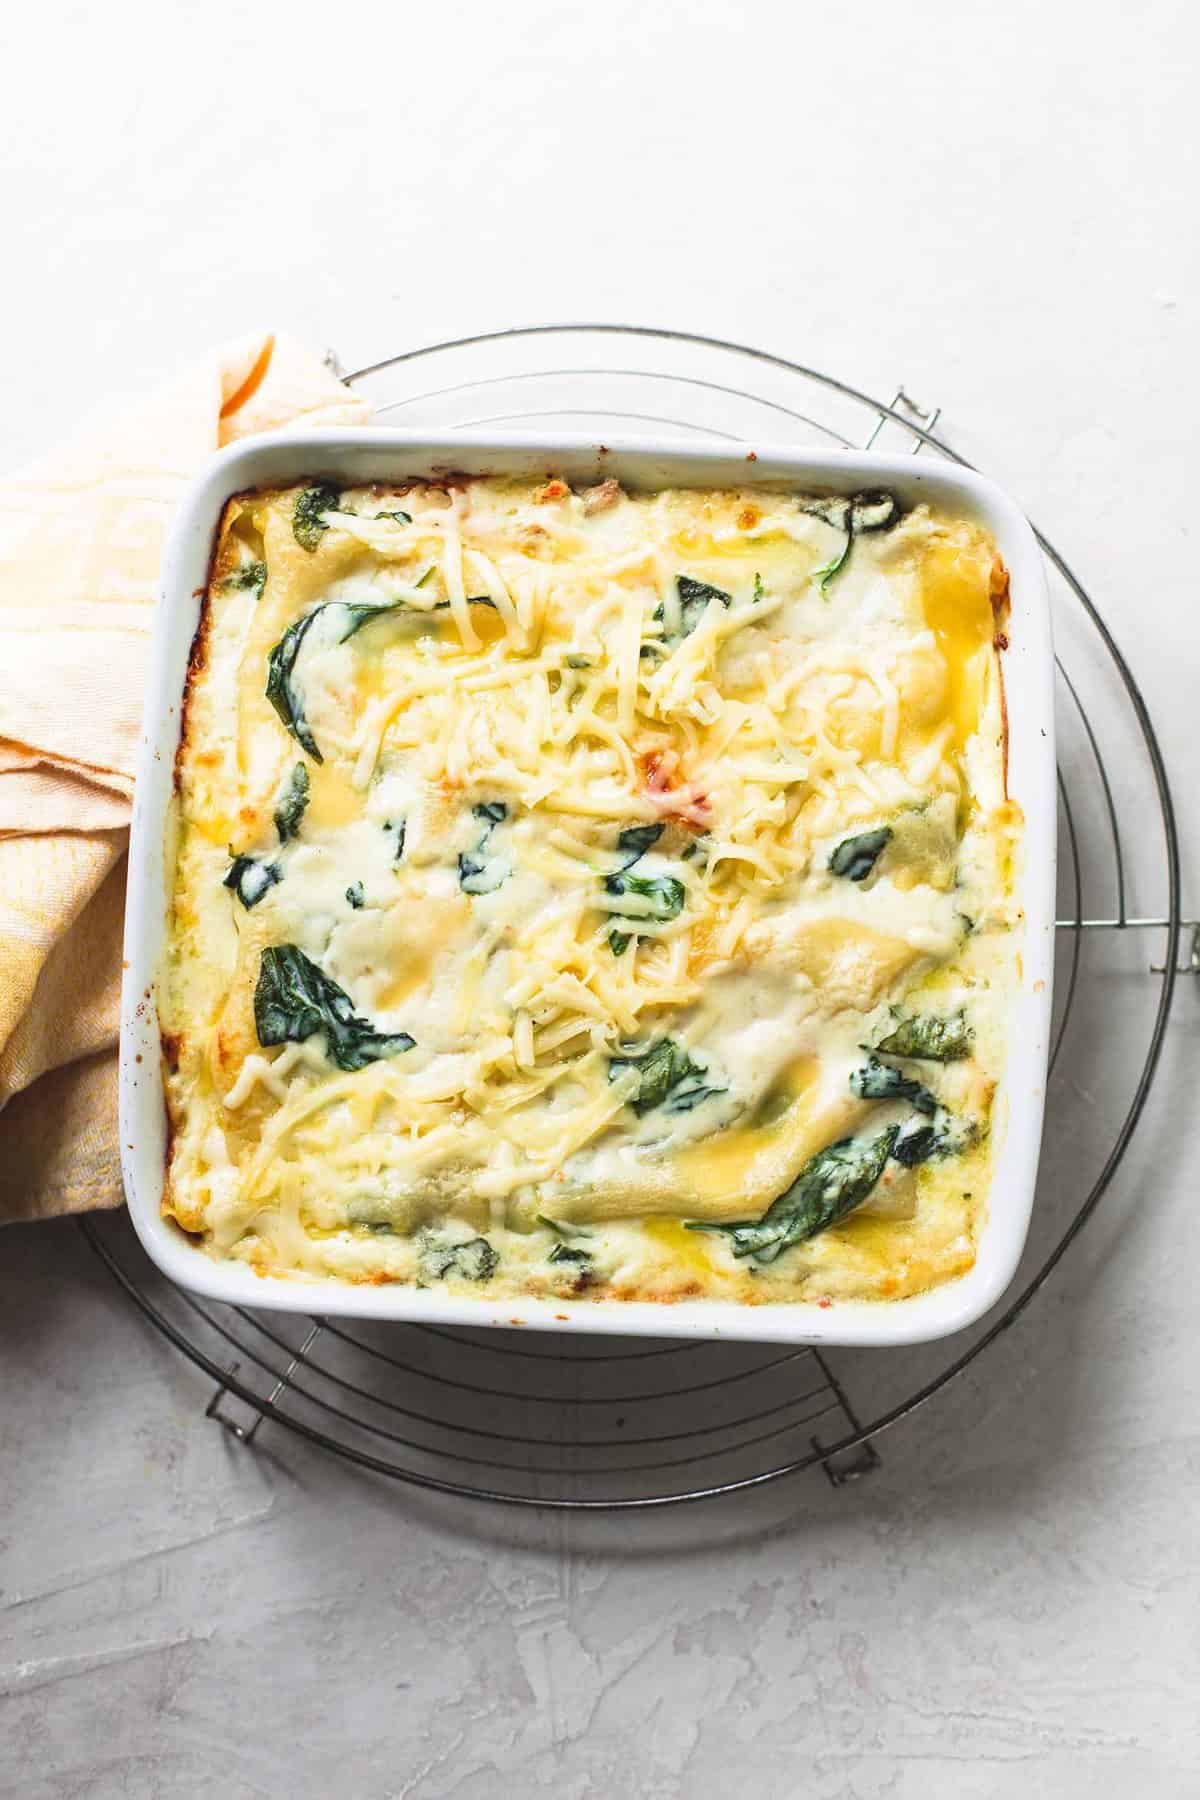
(81,538)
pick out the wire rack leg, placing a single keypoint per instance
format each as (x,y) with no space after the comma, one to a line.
(245,1434)
(848,1465)
(893,412)
(1192,965)
(844,1466)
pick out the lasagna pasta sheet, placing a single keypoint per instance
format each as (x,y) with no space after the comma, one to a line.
(591,893)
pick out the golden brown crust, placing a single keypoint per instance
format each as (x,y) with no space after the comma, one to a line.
(198,654)
(172,1041)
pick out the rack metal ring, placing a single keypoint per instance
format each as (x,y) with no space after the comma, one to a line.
(434,1407)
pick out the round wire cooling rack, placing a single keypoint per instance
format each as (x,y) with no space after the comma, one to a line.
(574,1423)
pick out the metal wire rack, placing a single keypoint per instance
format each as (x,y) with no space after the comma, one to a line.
(558,1423)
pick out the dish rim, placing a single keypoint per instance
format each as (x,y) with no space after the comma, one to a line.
(372,453)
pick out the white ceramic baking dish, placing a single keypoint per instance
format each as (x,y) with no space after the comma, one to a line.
(370,455)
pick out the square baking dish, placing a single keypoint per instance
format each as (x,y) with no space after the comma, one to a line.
(350,458)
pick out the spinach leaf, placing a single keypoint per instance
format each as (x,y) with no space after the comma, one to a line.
(480,875)
(401,518)
(308,519)
(760,592)
(632,843)
(916,1143)
(879,1081)
(473,1260)
(684,1099)
(929,1037)
(936,1133)
(694,597)
(482,871)
(855,857)
(361,612)
(401,831)
(250,879)
(920,1141)
(292,803)
(635,840)
(830,1185)
(563,1228)
(661,1068)
(354,894)
(282,690)
(577,1262)
(567,1253)
(834,509)
(250,578)
(294,1000)
(469,600)
(825,574)
(664,892)
(284,696)
(871,510)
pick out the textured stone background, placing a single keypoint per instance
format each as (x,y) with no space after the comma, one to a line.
(998,208)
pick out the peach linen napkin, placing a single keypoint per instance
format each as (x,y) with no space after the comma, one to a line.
(81,539)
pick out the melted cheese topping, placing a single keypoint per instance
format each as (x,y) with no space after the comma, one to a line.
(560,787)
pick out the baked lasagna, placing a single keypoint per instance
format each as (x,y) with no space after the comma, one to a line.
(591,893)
